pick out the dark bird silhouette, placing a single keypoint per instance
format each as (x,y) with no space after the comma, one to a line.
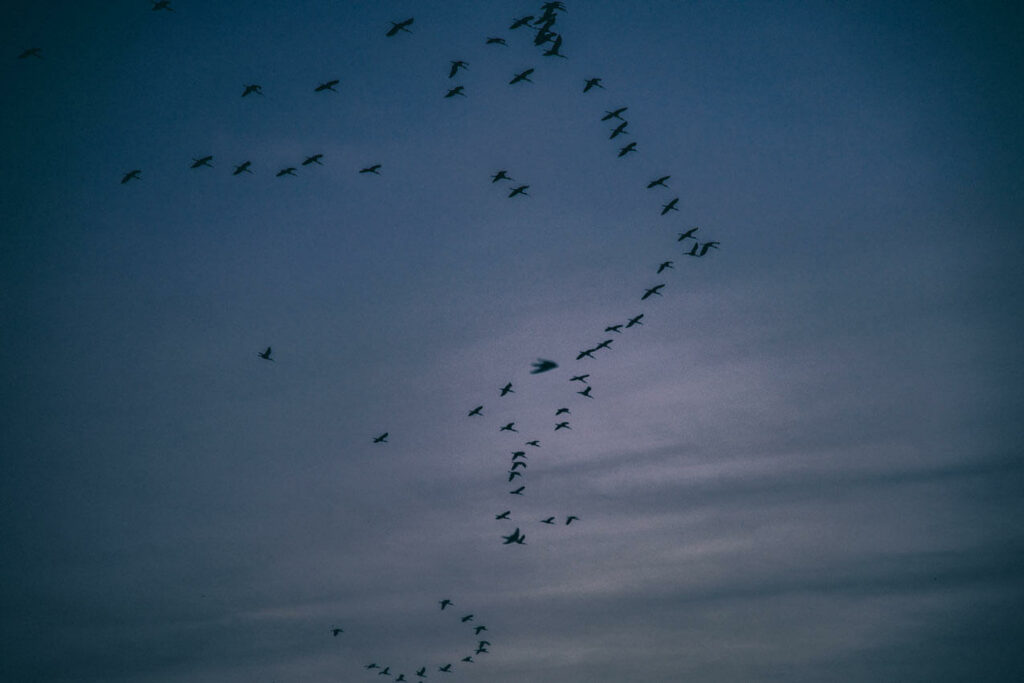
(383,438)
(688,233)
(631,147)
(336,631)
(553,6)
(476,411)
(708,245)
(468,617)
(204,161)
(494,40)
(619,130)
(562,411)
(507,389)
(693,251)
(586,353)
(131,175)
(556,46)
(422,672)
(658,181)
(614,114)
(31,52)
(542,365)
(253,89)
(535,443)
(521,21)
(456,65)
(457,90)
(503,515)
(579,378)
(265,355)
(671,206)
(501,175)
(634,321)
(569,519)
(285,171)
(549,520)
(481,651)
(519,190)
(315,159)
(445,603)
(518,454)
(513,474)
(401,677)
(468,658)
(518,491)
(663,265)
(585,392)
(242,168)
(446,668)
(614,328)
(544,33)
(375,169)
(562,425)
(518,463)
(510,427)
(606,344)
(399,26)
(514,537)
(371,665)
(476,631)
(521,76)
(592,83)
(386,671)
(162,4)
(652,291)
(328,85)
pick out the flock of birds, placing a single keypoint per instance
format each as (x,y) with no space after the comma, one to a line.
(543,26)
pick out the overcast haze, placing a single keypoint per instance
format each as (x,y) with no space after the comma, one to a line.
(803,466)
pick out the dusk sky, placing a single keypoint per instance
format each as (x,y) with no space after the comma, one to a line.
(804,465)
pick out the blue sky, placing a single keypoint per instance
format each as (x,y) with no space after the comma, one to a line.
(803,466)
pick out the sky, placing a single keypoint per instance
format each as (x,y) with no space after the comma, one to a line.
(804,464)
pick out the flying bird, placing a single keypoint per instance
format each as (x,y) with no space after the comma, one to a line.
(513,474)
(336,631)
(422,672)
(631,147)
(514,537)
(468,658)
(619,130)
(553,51)
(708,245)
(204,161)
(253,89)
(585,392)
(372,665)
(399,26)
(562,411)
(665,264)
(285,171)
(383,438)
(503,515)
(446,668)
(579,378)
(131,175)
(31,52)
(519,190)
(587,353)
(315,159)
(606,344)
(634,321)
(562,425)
(614,114)
(401,677)
(521,76)
(445,603)
(614,328)
(456,65)
(650,292)
(468,617)
(521,21)
(518,463)
(671,206)
(328,85)
(535,443)
(476,631)
(507,389)
(481,650)
(386,671)
(510,427)
(688,233)
(375,169)
(501,175)
(518,454)
(658,181)
(549,520)
(476,411)
(265,355)
(496,41)
(457,90)
(242,168)
(518,491)
(592,83)
(542,365)
(569,519)
(162,4)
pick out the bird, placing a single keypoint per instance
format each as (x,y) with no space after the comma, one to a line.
(481,650)
(386,671)
(671,206)
(204,161)
(31,52)
(265,355)
(619,130)
(518,491)
(336,631)
(476,411)
(562,425)
(634,321)
(371,665)
(569,519)
(254,88)
(521,21)
(162,4)
(242,168)
(315,159)
(708,245)
(445,603)
(549,520)
(397,26)
(518,454)
(503,515)
(688,233)
(468,658)
(521,76)
(614,114)
(519,190)
(553,51)
(653,290)
(534,443)
(542,365)
(494,40)
(585,392)
(658,181)
(131,175)
(513,474)
(446,668)
(510,427)
(476,631)
(518,463)
(501,175)
(514,537)
(614,328)
(606,344)
(383,438)
(507,389)
(562,411)
(327,85)
(587,353)
(631,147)
(422,672)
(456,65)
(285,171)
(457,90)
(401,677)
(375,169)
(592,83)
(579,378)
(663,265)
(468,617)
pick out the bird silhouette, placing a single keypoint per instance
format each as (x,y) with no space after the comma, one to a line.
(619,130)
(242,168)
(521,76)
(327,85)
(494,40)
(285,171)
(481,650)
(693,251)
(707,245)
(569,520)
(614,328)
(652,291)
(203,161)
(475,411)
(579,378)
(521,21)
(592,83)
(586,353)
(518,463)
(688,234)
(658,181)
(422,672)
(446,668)
(634,321)
(671,206)
(445,603)
(397,26)
(534,443)
(401,677)
(131,175)
(510,427)
(514,537)
(371,665)
(162,4)
(562,425)
(265,355)
(507,389)
(663,265)
(503,515)
(456,65)
(253,89)
(383,438)
(501,175)
(375,169)
(519,190)
(518,491)
(336,631)
(457,90)
(631,147)
(549,520)
(542,365)
(476,631)
(315,159)
(518,454)
(606,344)
(562,411)
(556,46)
(386,671)
(614,114)
(585,392)
(513,474)
(468,617)
(31,52)
(468,658)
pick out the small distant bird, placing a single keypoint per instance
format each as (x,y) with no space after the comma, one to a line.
(579,378)
(476,411)
(688,233)
(619,130)
(422,672)
(519,463)
(562,425)
(383,438)
(586,353)
(254,88)
(521,21)
(631,147)
(445,603)
(652,291)
(336,631)
(635,321)
(513,474)
(242,168)
(592,83)
(315,159)
(519,190)
(521,76)
(162,4)
(549,520)
(32,52)
(328,85)
(446,668)
(285,171)
(606,344)
(663,265)
(372,665)
(569,519)
(614,328)
(510,427)
(496,41)
(501,175)
(131,175)
(386,671)
(375,169)
(671,206)
(542,365)
(456,65)
(401,677)
(457,90)
(507,389)
(468,617)
(514,537)
(535,443)
(468,658)
(265,355)
(562,411)
(614,114)
(585,392)
(399,26)
(658,181)
(204,161)
(556,46)
(518,491)
(481,651)
(708,245)
(503,515)
(518,454)
(476,631)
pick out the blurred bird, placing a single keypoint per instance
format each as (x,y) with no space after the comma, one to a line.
(619,130)
(652,291)
(468,617)
(614,328)
(542,365)
(514,537)
(519,190)
(162,4)
(518,491)
(503,515)
(242,168)
(521,76)
(476,631)
(562,411)
(445,603)
(634,321)
(31,52)
(372,665)
(383,438)
(586,353)
(386,671)
(336,631)
(446,668)
(671,206)
(631,147)
(131,175)
(422,672)
(513,474)
(579,378)
(285,171)
(549,520)
(399,26)
(521,21)
(265,355)
(592,83)
(204,161)
(315,159)
(476,411)
(328,85)
(468,658)
(665,264)
(708,245)
(534,443)
(606,344)
(496,41)
(501,175)
(658,181)
(553,51)
(456,65)
(570,518)
(507,389)
(375,169)
(562,425)
(518,463)
(457,90)
(510,427)
(585,392)
(614,114)
(688,233)
(253,89)
(518,454)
